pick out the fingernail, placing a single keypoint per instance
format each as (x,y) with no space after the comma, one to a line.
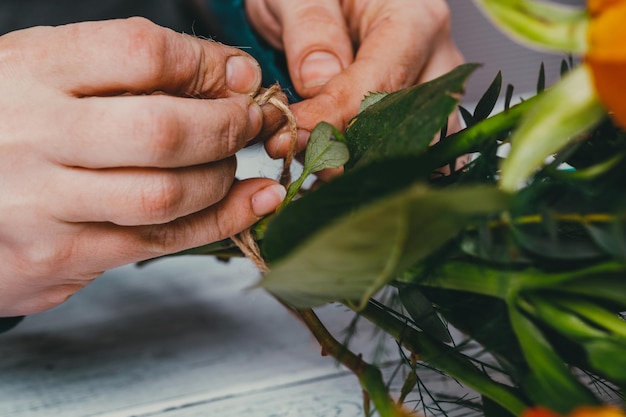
(319,67)
(243,74)
(268,199)
(284,140)
(255,117)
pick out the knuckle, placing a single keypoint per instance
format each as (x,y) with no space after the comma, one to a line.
(439,13)
(146,45)
(43,260)
(161,198)
(162,132)
(162,240)
(232,134)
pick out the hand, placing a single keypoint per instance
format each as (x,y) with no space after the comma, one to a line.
(117,145)
(397,43)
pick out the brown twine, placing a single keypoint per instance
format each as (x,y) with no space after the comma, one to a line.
(270,96)
(245,240)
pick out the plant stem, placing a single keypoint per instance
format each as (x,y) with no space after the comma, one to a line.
(369,376)
(487,130)
(445,358)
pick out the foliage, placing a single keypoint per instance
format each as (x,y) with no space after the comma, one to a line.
(548,258)
(525,256)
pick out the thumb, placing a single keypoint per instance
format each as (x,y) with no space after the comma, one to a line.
(316,41)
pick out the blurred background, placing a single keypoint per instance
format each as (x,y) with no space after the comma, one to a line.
(478,40)
(481,42)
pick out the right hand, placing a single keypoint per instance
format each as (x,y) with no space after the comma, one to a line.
(116,145)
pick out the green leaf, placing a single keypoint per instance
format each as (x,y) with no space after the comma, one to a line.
(561,115)
(550,383)
(541,79)
(488,101)
(607,355)
(326,149)
(468,118)
(555,247)
(356,256)
(407,121)
(422,312)
(540,24)
(508,96)
(305,216)
(370,99)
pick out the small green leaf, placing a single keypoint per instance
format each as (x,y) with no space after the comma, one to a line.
(564,67)
(508,96)
(371,99)
(360,253)
(488,101)
(467,116)
(541,79)
(326,149)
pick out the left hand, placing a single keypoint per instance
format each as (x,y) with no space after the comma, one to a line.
(340,50)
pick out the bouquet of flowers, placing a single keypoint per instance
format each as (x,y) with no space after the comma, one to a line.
(523,249)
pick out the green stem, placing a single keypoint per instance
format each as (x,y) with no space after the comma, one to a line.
(445,358)
(369,376)
(471,139)
(503,284)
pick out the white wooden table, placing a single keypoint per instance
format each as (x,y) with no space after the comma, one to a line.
(181,337)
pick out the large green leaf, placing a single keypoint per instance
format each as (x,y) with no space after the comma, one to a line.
(356,256)
(305,216)
(405,122)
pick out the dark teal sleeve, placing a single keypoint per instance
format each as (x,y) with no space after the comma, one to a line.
(7,323)
(229,25)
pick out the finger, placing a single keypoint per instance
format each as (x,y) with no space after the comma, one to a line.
(388,59)
(246,203)
(138,196)
(154,131)
(316,41)
(135,55)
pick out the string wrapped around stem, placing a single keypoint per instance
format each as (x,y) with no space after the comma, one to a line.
(275,97)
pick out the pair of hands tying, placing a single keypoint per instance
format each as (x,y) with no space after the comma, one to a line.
(117,138)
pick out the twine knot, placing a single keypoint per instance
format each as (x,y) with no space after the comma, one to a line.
(245,240)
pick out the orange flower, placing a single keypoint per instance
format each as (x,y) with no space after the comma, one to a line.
(597,6)
(606,55)
(606,411)
(539,412)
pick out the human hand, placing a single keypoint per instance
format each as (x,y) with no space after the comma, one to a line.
(116,146)
(340,50)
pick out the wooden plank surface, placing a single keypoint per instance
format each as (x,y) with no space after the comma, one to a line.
(180,337)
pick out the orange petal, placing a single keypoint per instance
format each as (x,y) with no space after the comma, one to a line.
(607,58)
(539,412)
(597,412)
(598,6)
